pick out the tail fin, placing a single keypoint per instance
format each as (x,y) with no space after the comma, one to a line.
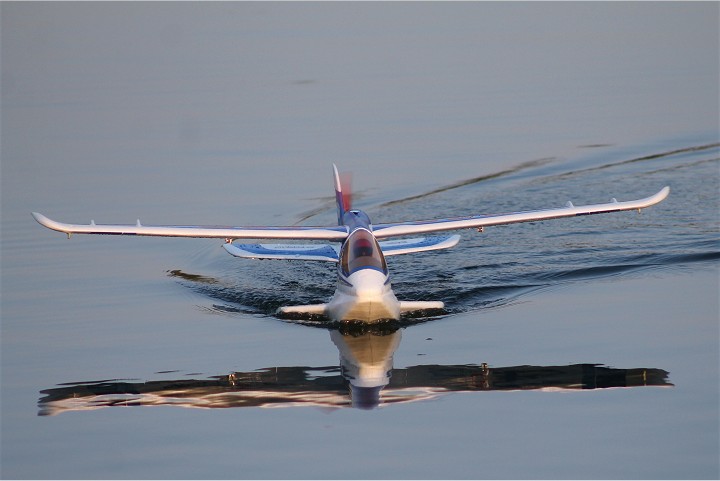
(343,193)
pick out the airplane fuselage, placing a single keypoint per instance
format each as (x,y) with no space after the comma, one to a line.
(363,281)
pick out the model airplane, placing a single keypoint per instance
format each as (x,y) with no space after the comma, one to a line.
(363,282)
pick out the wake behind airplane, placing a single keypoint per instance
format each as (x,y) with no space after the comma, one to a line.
(363,290)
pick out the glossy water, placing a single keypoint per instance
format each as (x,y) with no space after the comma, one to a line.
(578,348)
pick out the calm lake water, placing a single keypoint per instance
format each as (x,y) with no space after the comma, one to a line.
(576,348)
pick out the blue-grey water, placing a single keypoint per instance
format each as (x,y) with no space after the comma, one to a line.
(576,348)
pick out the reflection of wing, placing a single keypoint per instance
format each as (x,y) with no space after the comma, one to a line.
(325,386)
(337,233)
(419,227)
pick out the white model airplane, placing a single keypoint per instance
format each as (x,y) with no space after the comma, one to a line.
(363,282)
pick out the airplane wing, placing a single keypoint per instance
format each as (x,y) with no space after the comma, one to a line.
(382,231)
(339,233)
(336,233)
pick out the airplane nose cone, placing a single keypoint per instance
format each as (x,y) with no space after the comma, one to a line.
(368,283)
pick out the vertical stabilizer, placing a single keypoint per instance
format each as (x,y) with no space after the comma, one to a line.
(343,196)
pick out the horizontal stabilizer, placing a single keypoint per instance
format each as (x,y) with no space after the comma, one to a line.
(301,252)
(419,244)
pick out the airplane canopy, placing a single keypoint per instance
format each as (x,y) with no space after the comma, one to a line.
(361,251)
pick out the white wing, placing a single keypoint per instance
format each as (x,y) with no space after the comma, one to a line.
(382,231)
(337,233)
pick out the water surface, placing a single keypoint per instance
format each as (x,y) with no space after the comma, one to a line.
(578,348)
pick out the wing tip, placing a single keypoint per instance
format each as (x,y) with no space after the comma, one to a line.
(650,201)
(660,196)
(42,220)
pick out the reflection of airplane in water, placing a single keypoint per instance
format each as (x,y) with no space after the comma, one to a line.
(365,379)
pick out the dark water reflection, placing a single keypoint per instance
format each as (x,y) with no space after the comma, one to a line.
(365,379)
